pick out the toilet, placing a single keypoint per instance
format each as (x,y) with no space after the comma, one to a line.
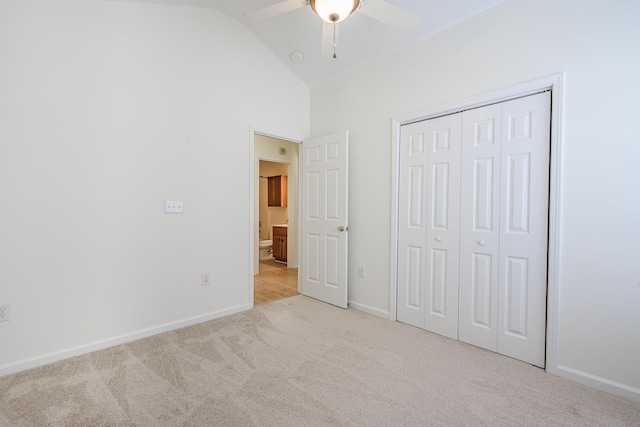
(265,248)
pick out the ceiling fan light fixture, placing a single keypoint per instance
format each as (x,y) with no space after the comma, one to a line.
(334,11)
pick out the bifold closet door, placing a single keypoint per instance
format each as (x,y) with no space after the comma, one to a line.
(479,226)
(428,234)
(504,227)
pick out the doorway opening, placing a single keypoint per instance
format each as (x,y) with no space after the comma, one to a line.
(275,219)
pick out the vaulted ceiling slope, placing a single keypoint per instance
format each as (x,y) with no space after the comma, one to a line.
(361,39)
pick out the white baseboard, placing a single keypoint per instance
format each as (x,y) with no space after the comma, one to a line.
(111,342)
(368,309)
(599,383)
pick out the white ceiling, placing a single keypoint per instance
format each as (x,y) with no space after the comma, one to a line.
(361,39)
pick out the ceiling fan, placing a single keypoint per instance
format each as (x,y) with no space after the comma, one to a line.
(334,11)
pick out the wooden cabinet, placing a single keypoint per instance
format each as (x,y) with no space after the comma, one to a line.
(277,194)
(280,243)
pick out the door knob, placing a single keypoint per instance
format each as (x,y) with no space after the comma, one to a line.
(482,242)
(341,228)
(438,239)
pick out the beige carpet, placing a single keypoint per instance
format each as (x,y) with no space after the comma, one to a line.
(299,362)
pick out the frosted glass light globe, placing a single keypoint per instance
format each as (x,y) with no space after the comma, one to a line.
(334,11)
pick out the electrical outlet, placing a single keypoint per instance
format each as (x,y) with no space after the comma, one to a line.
(205,279)
(5,312)
(361,272)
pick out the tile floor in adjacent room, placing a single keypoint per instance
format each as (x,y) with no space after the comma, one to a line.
(274,282)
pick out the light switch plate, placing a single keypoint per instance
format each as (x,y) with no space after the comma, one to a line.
(5,312)
(173,206)
(205,279)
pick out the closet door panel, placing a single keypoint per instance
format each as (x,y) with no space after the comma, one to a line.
(412,224)
(443,222)
(481,290)
(524,228)
(479,226)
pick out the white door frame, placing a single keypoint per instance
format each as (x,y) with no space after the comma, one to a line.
(554,83)
(253,251)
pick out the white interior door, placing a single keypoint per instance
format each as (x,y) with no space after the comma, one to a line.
(325,218)
(473,226)
(504,227)
(428,235)
(479,226)
(412,224)
(443,225)
(524,207)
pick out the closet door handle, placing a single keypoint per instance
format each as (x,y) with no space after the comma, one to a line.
(438,239)
(482,242)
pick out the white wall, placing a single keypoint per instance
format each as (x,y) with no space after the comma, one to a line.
(106,110)
(596,44)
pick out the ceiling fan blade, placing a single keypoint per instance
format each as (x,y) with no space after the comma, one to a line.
(328,47)
(389,14)
(274,10)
